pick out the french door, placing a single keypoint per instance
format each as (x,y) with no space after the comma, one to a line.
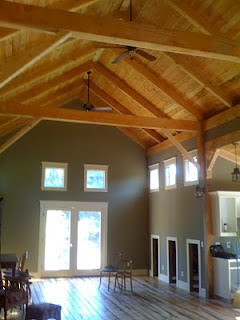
(73,238)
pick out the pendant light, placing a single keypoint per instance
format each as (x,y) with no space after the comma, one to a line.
(236,171)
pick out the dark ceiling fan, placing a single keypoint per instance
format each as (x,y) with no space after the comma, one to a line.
(129,50)
(88,106)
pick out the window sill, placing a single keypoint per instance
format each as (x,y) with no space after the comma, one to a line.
(174,186)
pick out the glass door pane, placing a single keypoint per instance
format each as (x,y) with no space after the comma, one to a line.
(57,240)
(89,240)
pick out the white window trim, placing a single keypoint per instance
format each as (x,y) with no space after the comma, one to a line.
(150,168)
(166,164)
(95,167)
(192,153)
(54,165)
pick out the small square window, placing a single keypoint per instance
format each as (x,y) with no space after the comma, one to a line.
(154,177)
(95,178)
(54,176)
(170,173)
(190,171)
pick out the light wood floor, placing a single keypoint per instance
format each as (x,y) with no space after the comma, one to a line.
(152,299)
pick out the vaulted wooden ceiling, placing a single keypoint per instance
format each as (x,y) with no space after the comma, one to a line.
(47,46)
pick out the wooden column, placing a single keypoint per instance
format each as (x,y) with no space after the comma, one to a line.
(207,216)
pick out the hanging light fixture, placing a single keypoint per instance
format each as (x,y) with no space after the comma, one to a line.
(236,171)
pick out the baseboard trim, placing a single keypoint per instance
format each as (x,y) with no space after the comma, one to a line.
(135,272)
(182,285)
(140,272)
(203,293)
(163,277)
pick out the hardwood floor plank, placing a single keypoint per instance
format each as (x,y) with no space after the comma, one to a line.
(151,299)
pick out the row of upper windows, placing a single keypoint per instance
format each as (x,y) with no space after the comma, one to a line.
(190,173)
(54,177)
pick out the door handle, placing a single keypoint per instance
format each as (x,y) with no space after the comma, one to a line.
(70,245)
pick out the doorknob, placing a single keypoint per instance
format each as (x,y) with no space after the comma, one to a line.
(70,245)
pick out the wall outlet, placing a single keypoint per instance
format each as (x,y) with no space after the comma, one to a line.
(162,267)
(202,244)
(217,243)
(229,245)
(182,273)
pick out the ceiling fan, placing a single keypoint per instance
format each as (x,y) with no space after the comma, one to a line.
(129,50)
(88,106)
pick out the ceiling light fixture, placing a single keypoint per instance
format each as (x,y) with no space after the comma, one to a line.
(236,171)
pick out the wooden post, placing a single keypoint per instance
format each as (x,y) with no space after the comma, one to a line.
(207,216)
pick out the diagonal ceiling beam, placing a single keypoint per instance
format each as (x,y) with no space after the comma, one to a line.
(18,135)
(121,84)
(38,91)
(229,156)
(194,74)
(98,118)
(14,66)
(13,125)
(166,89)
(24,83)
(73,5)
(121,109)
(109,30)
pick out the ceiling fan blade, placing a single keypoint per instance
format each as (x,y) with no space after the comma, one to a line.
(145,55)
(102,109)
(110,47)
(119,58)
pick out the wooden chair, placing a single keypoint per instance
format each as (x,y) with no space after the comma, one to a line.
(124,272)
(13,294)
(111,269)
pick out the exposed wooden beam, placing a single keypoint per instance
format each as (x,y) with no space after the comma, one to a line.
(73,5)
(228,156)
(18,135)
(23,83)
(166,89)
(14,66)
(99,118)
(6,33)
(13,125)
(121,84)
(38,91)
(184,152)
(194,74)
(63,99)
(168,144)
(201,155)
(49,99)
(133,137)
(121,109)
(211,161)
(222,118)
(108,30)
(192,16)
(222,141)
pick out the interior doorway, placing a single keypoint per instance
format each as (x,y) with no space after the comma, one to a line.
(155,256)
(72,238)
(194,265)
(172,260)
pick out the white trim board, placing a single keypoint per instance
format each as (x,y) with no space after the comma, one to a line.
(153,236)
(176,246)
(198,243)
(163,277)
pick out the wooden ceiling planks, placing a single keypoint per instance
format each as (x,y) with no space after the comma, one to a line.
(215,91)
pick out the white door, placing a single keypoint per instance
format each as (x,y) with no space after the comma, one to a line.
(73,238)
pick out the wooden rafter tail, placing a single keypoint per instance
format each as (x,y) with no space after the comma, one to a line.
(109,30)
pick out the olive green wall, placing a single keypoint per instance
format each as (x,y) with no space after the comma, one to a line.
(20,183)
(176,212)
